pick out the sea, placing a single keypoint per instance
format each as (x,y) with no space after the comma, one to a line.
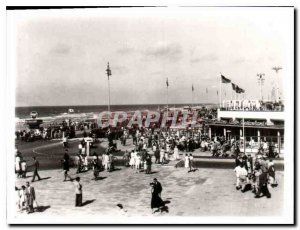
(56,111)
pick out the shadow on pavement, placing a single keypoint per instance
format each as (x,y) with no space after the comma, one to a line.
(46,178)
(115,169)
(167,202)
(43,208)
(100,178)
(87,202)
(164,209)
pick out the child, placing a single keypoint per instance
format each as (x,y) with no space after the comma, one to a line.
(271,171)
(23,169)
(190,160)
(78,192)
(241,177)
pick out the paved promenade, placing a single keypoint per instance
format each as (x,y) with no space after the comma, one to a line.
(205,192)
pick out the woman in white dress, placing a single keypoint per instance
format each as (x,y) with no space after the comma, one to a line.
(162,156)
(85,163)
(106,161)
(176,153)
(137,162)
(167,154)
(186,161)
(18,165)
(22,200)
(132,159)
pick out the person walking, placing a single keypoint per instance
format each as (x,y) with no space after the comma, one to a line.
(271,172)
(66,165)
(126,158)
(36,166)
(190,161)
(23,200)
(106,162)
(78,192)
(30,197)
(23,168)
(263,179)
(156,201)
(148,164)
(96,167)
(137,162)
(132,159)
(18,165)
(162,156)
(176,154)
(79,163)
(186,161)
(157,155)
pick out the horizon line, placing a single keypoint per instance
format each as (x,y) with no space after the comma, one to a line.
(192,104)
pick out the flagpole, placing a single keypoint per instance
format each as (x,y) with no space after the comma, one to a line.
(108,74)
(193,98)
(167,98)
(220,90)
(69,117)
(244,141)
(108,95)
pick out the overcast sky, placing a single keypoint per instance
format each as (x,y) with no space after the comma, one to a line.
(62,54)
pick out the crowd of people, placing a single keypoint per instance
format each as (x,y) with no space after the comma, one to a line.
(150,147)
(25,198)
(256,174)
(20,165)
(54,130)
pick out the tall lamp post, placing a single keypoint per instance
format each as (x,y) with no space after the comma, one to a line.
(167,84)
(108,72)
(192,95)
(276,69)
(261,82)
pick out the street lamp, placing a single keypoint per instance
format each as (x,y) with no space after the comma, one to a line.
(261,82)
(276,69)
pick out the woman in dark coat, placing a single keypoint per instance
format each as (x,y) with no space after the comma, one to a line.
(156,201)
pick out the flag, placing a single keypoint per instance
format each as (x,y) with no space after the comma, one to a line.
(71,110)
(225,80)
(239,90)
(167,82)
(108,71)
(233,86)
(192,87)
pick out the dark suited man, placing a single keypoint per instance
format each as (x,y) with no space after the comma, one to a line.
(263,179)
(36,166)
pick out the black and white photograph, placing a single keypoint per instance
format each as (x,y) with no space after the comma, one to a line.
(150,115)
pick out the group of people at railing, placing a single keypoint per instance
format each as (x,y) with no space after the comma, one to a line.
(220,147)
(251,105)
(236,122)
